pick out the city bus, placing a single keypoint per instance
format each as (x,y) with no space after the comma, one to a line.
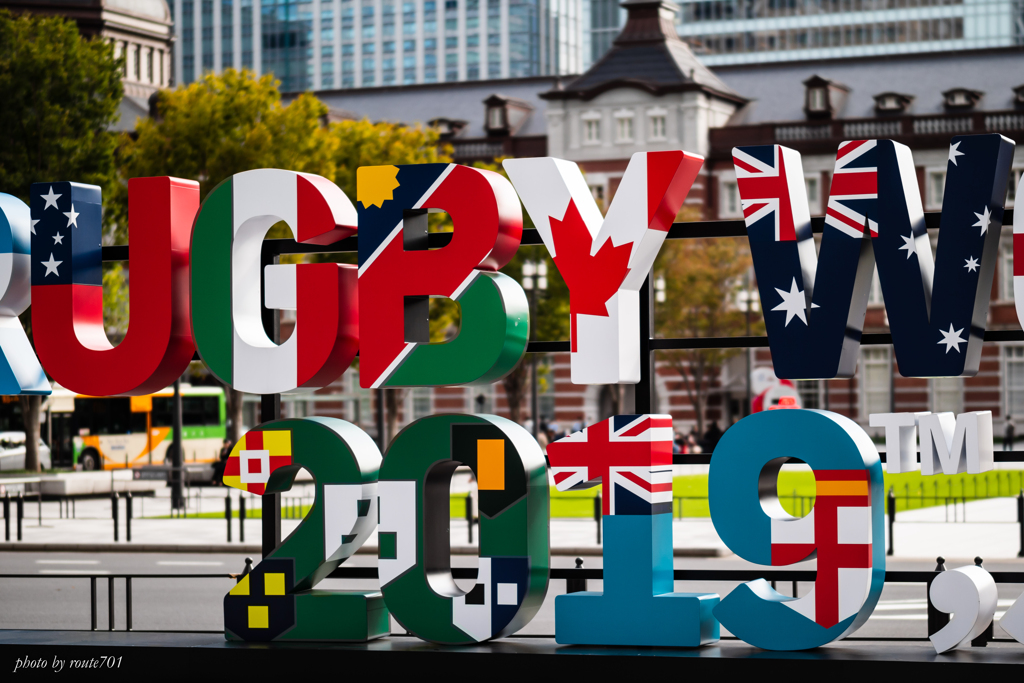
(106,433)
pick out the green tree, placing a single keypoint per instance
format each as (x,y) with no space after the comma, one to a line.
(219,126)
(234,122)
(60,94)
(703,278)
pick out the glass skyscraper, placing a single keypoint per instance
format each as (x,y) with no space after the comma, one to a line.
(747,31)
(324,44)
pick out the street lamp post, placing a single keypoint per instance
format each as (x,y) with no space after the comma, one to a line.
(535,277)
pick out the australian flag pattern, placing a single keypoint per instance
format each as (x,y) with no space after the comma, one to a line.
(815,302)
(631,455)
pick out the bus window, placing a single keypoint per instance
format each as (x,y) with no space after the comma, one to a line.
(196,411)
(107,416)
(10,415)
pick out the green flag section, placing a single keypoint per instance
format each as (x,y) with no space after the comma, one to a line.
(491,340)
(414,560)
(211,282)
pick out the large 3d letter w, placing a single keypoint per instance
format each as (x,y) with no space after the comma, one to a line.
(815,302)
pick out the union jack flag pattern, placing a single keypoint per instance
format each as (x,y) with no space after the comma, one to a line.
(937,307)
(604,260)
(631,455)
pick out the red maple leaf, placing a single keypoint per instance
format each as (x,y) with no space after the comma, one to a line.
(592,280)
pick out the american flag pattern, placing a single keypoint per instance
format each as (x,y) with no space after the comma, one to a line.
(936,308)
(630,455)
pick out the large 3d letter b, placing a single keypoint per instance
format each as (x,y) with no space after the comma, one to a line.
(398,274)
(67,286)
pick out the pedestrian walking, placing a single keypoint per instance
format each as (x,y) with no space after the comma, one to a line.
(1011,432)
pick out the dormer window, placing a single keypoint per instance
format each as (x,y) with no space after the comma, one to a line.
(505,115)
(817,99)
(448,128)
(961,98)
(892,103)
(496,117)
(823,97)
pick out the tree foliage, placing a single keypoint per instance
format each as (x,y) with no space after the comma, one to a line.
(233,122)
(703,278)
(59,93)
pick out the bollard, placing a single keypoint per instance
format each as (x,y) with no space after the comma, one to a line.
(227,514)
(1020,521)
(890,505)
(110,603)
(936,619)
(241,519)
(986,635)
(92,588)
(7,517)
(469,516)
(597,516)
(248,568)
(39,504)
(113,510)
(128,516)
(576,585)
(21,512)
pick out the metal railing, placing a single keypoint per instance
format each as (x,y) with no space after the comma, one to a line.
(270,404)
(576,581)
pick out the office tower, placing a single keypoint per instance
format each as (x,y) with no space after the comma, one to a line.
(325,44)
(754,31)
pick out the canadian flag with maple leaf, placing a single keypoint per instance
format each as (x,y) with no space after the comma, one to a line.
(605,260)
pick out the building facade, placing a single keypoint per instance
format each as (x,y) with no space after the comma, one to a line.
(920,101)
(749,31)
(327,44)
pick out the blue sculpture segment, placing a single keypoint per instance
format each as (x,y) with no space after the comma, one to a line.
(815,302)
(631,457)
(844,531)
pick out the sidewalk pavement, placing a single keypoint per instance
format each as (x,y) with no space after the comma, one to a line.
(990,531)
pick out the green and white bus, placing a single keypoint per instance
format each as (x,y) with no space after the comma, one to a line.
(111,433)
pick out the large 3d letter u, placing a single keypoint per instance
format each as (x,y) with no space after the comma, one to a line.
(67,286)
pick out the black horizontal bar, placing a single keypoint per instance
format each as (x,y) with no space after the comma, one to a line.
(705,458)
(118,576)
(436,240)
(737,575)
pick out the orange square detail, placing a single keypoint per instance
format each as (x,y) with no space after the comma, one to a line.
(490,464)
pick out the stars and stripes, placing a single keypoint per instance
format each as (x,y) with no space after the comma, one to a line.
(67,232)
(630,455)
